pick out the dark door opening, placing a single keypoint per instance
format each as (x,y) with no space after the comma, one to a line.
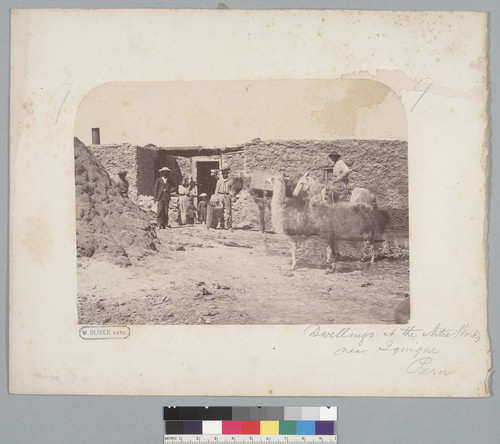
(206,182)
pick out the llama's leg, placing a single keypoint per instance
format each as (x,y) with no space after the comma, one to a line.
(371,239)
(368,253)
(370,247)
(294,253)
(331,254)
(262,215)
(328,254)
(372,252)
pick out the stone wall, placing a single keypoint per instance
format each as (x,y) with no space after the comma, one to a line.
(185,167)
(116,158)
(172,163)
(141,163)
(379,165)
(235,161)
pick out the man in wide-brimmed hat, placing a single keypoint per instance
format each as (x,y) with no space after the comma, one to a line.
(223,191)
(161,194)
(337,183)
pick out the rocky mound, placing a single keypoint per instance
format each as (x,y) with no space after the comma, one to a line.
(107,225)
(246,211)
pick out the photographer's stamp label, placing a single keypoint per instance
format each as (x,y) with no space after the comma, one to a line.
(93,332)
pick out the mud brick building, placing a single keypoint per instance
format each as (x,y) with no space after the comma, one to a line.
(379,165)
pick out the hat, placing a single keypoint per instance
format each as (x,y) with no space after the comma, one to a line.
(224,170)
(122,173)
(164,169)
(203,195)
(334,154)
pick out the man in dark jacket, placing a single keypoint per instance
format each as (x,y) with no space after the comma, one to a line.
(161,194)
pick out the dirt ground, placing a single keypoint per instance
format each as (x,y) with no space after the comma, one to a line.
(202,276)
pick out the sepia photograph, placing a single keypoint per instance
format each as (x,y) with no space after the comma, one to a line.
(276,196)
(206,205)
(234,202)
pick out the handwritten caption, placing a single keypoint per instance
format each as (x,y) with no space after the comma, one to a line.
(419,347)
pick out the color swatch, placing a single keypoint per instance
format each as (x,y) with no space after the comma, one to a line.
(249,420)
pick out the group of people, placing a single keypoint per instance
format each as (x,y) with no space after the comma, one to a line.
(191,206)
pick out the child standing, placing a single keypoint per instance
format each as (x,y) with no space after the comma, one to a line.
(202,208)
(190,212)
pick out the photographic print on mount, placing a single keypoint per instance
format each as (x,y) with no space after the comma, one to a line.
(242,202)
(252,225)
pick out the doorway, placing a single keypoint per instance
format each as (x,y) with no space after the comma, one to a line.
(206,182)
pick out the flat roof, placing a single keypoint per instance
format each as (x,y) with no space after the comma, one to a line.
(192,151)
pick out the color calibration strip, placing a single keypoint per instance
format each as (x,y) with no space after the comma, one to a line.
(220,422)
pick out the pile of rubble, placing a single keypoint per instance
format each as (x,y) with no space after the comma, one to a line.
(108,225)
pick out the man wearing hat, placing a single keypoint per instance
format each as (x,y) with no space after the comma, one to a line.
(337,178)
(223,190)
(161,194)
(123,184)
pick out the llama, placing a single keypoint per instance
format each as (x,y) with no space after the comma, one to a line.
(288,219)
(316,195)
(298,217)
(317,192)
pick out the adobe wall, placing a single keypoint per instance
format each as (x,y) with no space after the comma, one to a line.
(170,162)
(379,165)
(141,164)
(186,167)
(235,161)
(116,158)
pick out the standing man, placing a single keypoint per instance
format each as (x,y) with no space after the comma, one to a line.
(224,194)
(193,192)
(337,178)
(123,184)
(213,182)
(161,194)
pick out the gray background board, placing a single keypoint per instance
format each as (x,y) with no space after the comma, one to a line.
(85,419)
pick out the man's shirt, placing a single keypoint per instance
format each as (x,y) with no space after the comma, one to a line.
(223,186)
(341,171)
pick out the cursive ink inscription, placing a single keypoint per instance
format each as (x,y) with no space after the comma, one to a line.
(389,347)
(420,351)
(315,331)
(350,351)
(463,332)
(424,367)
